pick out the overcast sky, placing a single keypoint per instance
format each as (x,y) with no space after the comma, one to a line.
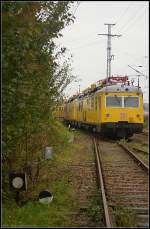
(89,49)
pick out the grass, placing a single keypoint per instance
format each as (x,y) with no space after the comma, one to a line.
(109,158)
(146,123)
(95,209)
(124,217)
(70,155)
(138,145)
(33,213)
(54,176)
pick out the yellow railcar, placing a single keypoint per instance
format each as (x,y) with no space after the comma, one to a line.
(71,110)
(118,111)
(114,109)
(59,112)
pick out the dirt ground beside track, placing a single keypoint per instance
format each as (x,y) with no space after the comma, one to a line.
(82,176)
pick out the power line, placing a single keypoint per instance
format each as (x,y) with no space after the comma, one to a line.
(88,44)
(124,12)
(134,21)
(78,3)
(131,18)
(132,56)
(139,73)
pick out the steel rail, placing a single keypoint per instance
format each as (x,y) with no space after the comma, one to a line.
(145,133)
(136,159)
(100,177)
(139,150)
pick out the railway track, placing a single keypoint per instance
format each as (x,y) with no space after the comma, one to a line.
(141,155)
(141,139)
(88,211)
(140,150)
(101,183)
(146,133)
(124,182)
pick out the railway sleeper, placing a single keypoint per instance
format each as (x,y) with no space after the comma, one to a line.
(143,217)
(140,210)
(136,179)
(128,199)
(143,225)
(130,193)
(135,204)
(124,186)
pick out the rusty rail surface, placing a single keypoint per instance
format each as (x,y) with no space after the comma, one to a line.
(100,178)
(140,150)
(136,159)
(145,133)
(126,179)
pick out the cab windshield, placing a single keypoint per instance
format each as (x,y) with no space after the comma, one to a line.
(131,101)
(113,101)
(122,101)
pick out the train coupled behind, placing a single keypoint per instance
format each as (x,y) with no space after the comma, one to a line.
(115,109)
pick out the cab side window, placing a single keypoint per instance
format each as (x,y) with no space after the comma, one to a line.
(99,101)
(92,102)
(96,103)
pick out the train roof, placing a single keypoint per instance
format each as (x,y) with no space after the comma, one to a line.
(109,88)
(120,88)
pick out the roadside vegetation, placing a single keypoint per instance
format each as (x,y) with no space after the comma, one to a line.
(35,72)
(124,217)
(95,209)
(53,177)
(146,122)
(139,143)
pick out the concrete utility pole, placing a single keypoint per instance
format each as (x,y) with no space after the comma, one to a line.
(109,56)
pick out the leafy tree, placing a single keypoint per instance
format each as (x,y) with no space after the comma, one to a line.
(32,77)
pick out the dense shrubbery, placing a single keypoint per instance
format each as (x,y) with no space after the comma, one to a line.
(32,77)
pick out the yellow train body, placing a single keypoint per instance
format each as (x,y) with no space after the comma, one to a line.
(107,110)
(58,113)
